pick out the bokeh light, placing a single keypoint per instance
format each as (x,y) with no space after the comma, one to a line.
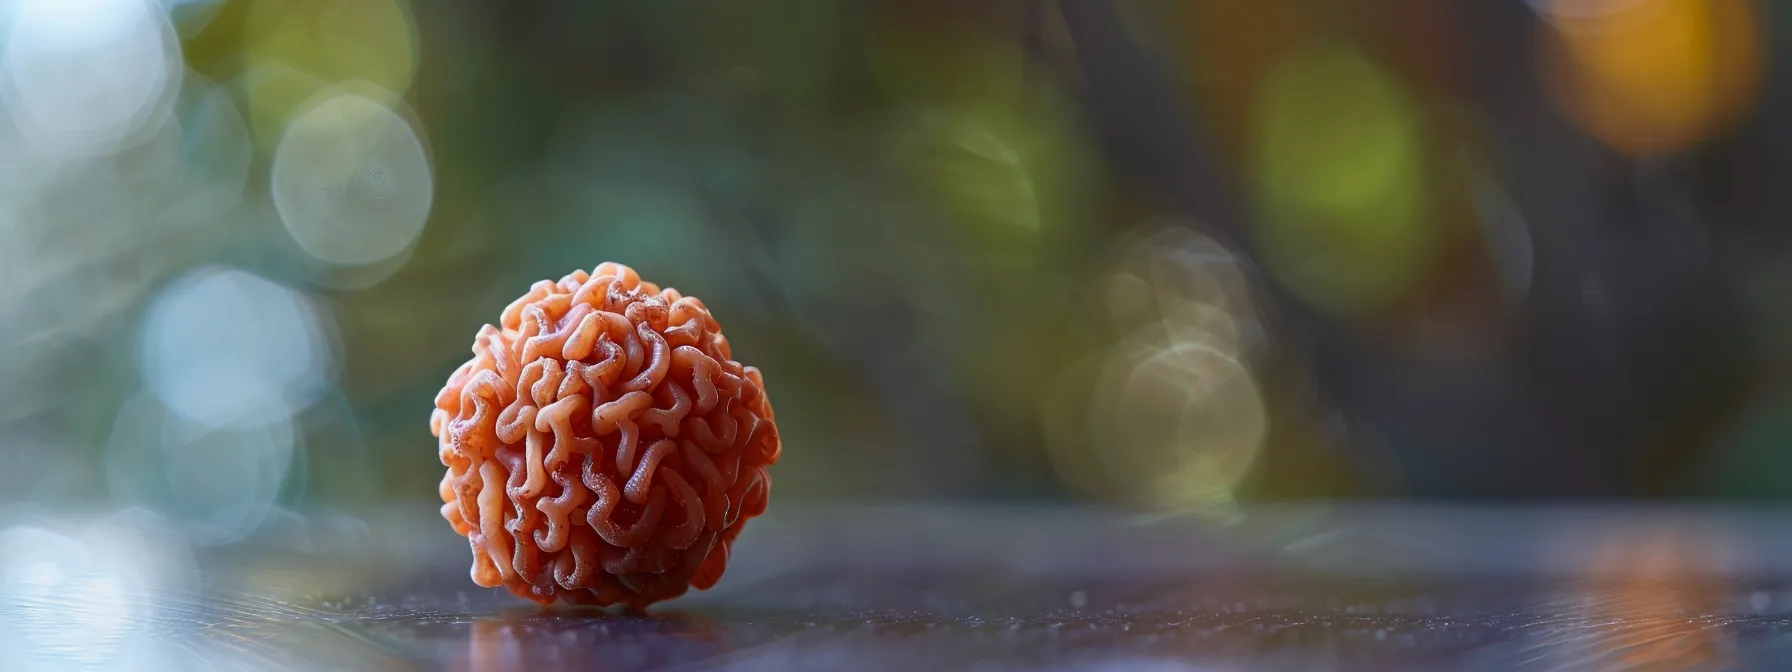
(213,153)
(191,16)
(1340,175)
(81,77)
(352,181)
(225,348)
(325,43)
(1190,418)
(216,484)
(982,170)
(1172,416)
(1650,77)
(1009,174)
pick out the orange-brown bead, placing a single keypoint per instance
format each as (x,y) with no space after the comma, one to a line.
(603,447)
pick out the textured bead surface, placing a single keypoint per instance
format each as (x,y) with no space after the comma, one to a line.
(603,446)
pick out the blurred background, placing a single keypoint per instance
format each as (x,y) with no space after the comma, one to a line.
(1171,255)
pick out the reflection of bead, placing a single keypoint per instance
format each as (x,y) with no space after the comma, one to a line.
(602,446)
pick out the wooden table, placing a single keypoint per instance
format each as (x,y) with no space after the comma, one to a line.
(930,587)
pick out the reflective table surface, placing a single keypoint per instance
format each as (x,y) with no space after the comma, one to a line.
(1356,587)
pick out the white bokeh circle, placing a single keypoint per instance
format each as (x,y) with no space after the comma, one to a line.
(351,180)
(226,348)
(85,77)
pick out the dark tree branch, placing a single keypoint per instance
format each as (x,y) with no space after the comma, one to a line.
(1141,118)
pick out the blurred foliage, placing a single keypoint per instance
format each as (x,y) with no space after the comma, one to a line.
(1340,169)
(926,226)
